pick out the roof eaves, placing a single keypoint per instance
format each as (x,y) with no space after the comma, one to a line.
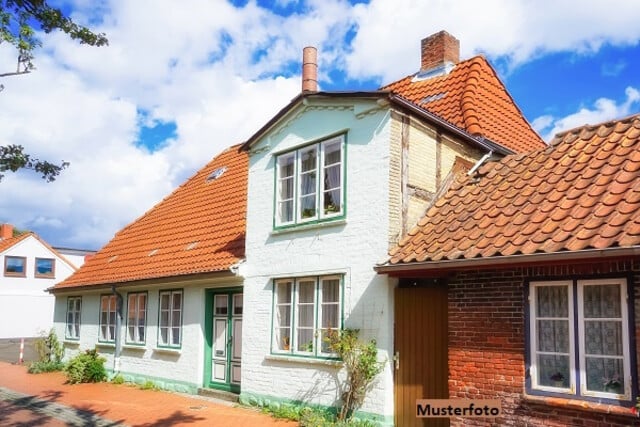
(300,98)
(506,260)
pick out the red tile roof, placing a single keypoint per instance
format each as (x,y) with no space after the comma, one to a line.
(199,228)
(7,243)
(582,192)
(472,97)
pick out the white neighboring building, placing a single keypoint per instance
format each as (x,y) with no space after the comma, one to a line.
(29,267)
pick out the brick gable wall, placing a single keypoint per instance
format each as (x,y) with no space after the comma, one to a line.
(487,345)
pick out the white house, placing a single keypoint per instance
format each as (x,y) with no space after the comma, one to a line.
(30,266)
(232,281)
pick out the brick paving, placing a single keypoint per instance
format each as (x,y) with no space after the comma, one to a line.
(45,400)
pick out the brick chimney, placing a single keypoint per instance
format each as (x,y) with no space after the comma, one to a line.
(6,231)
(439,49)
(309,69)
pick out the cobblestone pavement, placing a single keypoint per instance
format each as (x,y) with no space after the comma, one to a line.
(45,400)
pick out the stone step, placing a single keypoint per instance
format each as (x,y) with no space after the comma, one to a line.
(218,394)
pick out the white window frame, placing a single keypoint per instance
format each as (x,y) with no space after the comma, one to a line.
(320,189)
(172,312)
(294,315)
(107,327)
(74,308)
(136,296)
(577,299)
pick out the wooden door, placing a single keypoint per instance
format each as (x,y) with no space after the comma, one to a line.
(421,370)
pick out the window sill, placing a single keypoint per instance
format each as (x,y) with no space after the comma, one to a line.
(561,402)
(70,342)
(303,360)
(167,350)
(106,344)
(310,226)
(134,347)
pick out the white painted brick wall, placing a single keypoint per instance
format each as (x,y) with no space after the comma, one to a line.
(352,248)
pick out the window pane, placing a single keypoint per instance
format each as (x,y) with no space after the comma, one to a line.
(285,211)
(330,290)
(285,163)
(553,370)
(305,340)
(131,331)
(603,337)
(308,158)
(175,336)
(602,301)
(237,305)
(283,292)
(14,264)
(164,318)
(552,301)
(330,316)
(332,153)
(283,339)
(553,336)
(44,266)
(305,315)
(306,290)
(141,333)
(221,304)
(308,206)
(605,374)
(177,301)
(175,319)
(164,335)
(284,316)
(164,301)
(286,188)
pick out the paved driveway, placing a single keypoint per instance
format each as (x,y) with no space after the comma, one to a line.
(45,400)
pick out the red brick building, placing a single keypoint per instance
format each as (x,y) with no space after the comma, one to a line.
(520,284)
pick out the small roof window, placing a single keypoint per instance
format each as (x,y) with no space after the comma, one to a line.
(216,174)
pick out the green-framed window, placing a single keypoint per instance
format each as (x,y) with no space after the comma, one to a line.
(107,331)
(310,183)
(170,318)
(305,309)
(136,317)
(74,309)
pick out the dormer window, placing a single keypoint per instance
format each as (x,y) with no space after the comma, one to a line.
(15,266)
(45,267)
(310,183)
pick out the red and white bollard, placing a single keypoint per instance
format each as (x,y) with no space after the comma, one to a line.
(21,351)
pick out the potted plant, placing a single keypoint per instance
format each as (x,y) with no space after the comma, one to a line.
(612,385)
(558,379)
(286,344)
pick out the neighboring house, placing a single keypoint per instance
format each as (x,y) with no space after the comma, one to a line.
(322,192)
(527,273)
(30,266)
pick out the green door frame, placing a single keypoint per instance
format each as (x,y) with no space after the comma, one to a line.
(208,331)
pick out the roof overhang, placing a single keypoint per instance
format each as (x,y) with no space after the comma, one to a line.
(392,98)
(192,279)
(432,267)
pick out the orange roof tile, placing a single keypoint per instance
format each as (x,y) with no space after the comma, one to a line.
(571,205)
(472,97)
(199,228)
(7,243)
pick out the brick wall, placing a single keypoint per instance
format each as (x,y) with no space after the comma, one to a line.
(486,344)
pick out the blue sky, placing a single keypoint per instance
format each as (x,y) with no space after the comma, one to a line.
(180,82)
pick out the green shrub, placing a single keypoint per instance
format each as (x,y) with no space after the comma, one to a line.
(288,412)
(148,385)
(45,366)
(311,417)
(87,367)
(49,347)
(118,379)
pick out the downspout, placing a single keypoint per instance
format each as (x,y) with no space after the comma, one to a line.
(480,162)
(118,350)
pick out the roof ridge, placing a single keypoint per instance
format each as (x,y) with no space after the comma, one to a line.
(468,99)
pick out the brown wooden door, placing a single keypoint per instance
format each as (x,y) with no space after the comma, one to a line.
(421,349)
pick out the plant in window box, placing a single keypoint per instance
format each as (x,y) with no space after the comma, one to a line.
(331,208)
(558,379)
(308,213)
(307,347)
(612,385)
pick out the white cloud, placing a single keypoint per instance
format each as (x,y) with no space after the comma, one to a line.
(219,73)
(604,109)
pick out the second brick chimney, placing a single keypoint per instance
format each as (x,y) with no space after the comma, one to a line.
(439,49)
(6,231)
(309,69)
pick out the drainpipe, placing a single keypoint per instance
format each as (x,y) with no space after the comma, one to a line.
(480,162)
(118,350)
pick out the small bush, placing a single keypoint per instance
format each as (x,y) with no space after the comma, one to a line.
(311,417)
(118,379)
(49,347)
(148,385)
(288,412)
(45,366)
(87,367)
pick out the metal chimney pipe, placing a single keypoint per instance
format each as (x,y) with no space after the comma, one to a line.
(309,69)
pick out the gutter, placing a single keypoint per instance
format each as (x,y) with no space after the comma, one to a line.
(451,264)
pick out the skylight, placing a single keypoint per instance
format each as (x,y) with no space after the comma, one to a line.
(216,174)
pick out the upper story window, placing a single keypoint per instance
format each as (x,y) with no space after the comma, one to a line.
(310,183)
(45,267)
(579,338)
(15,266)
(304,311)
